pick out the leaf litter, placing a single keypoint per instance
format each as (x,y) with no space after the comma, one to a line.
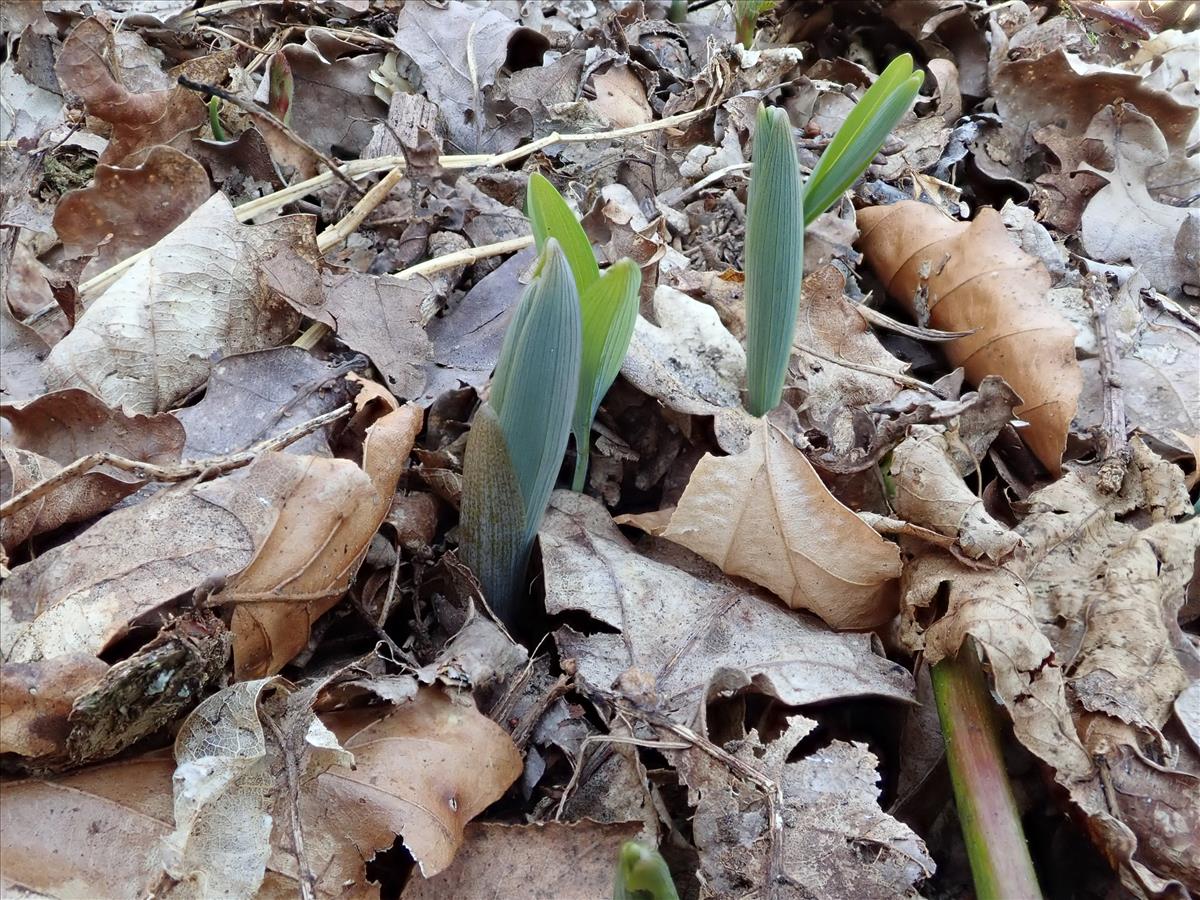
(234,630)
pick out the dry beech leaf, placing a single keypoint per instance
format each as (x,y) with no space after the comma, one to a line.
(127,209)
(681,621)
(930,492)
(329,511)
(147,341)
(36,698)
(692,364)
(422,771)
(977,278)
(766,516)
(21,355)
(621,97)
(837,842)
(58,428)
(555,859)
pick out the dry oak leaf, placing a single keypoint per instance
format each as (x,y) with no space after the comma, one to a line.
(692,629)
(551,861)
(766,516)
(1123,222)
(120,83)
(58,428)
(147,341)
(328,512)
(129,208)
(973,277)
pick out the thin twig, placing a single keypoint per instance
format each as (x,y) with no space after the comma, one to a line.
(175,472)
(260,114)
(607,739)
(304,872)
(464,257)
(870,370)
(1113,436)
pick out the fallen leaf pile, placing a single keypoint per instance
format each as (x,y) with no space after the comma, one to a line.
(240,654)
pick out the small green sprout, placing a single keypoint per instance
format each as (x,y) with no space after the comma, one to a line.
(779,207)
(520,433)
(214,118)
(642,874)
(745,19)
(609,306)
(281,88)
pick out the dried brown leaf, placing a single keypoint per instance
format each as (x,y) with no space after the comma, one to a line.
(684,624)
(129,208)
(147,341)
(328,512)
(765,515)
(977,279)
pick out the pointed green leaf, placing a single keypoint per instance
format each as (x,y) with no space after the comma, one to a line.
(642,874)
(610,307)
(492,523)
(534,397)
(774,258)
(550,217)
(861,135)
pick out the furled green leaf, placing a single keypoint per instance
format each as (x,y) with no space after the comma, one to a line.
(281,88)
(774,258)
(550,217)
(610,307)
(861,135)
(642,874)
(492,529)
(532,399)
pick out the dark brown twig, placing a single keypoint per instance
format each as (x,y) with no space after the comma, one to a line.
(176,472)
(260,114)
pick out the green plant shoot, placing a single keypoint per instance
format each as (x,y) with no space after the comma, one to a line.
(861,135)
(642,874)
(520,433)
(214,118)
(774,258)
(281,88)
(608,305)
(779,208)
(745,19)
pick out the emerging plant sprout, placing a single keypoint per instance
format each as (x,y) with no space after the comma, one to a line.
(520,433)
(779,208)
(608,307)
(642,874)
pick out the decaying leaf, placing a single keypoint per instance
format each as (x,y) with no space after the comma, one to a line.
(1123,222)
(58,428)
(129,208)
(146,342)
(551,860)
(836,841)
(683,624)
(765,515)
(692,364)
(959,276)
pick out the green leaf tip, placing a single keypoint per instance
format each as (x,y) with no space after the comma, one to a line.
(774,258)
(608,302)
(642,874)
(861,135)
(532,401)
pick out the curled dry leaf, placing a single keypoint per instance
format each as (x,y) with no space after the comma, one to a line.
(143,104)
(836,841)
(560,859)
(965,276)
(692,364)
(680,621)
(129,208)
(147,341)
(328,512)
(930,492)
(766,516)
(59,428)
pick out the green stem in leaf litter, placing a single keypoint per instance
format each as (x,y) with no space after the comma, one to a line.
(987,812)
(214,118)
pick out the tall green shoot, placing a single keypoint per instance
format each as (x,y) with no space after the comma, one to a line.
(780,207)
